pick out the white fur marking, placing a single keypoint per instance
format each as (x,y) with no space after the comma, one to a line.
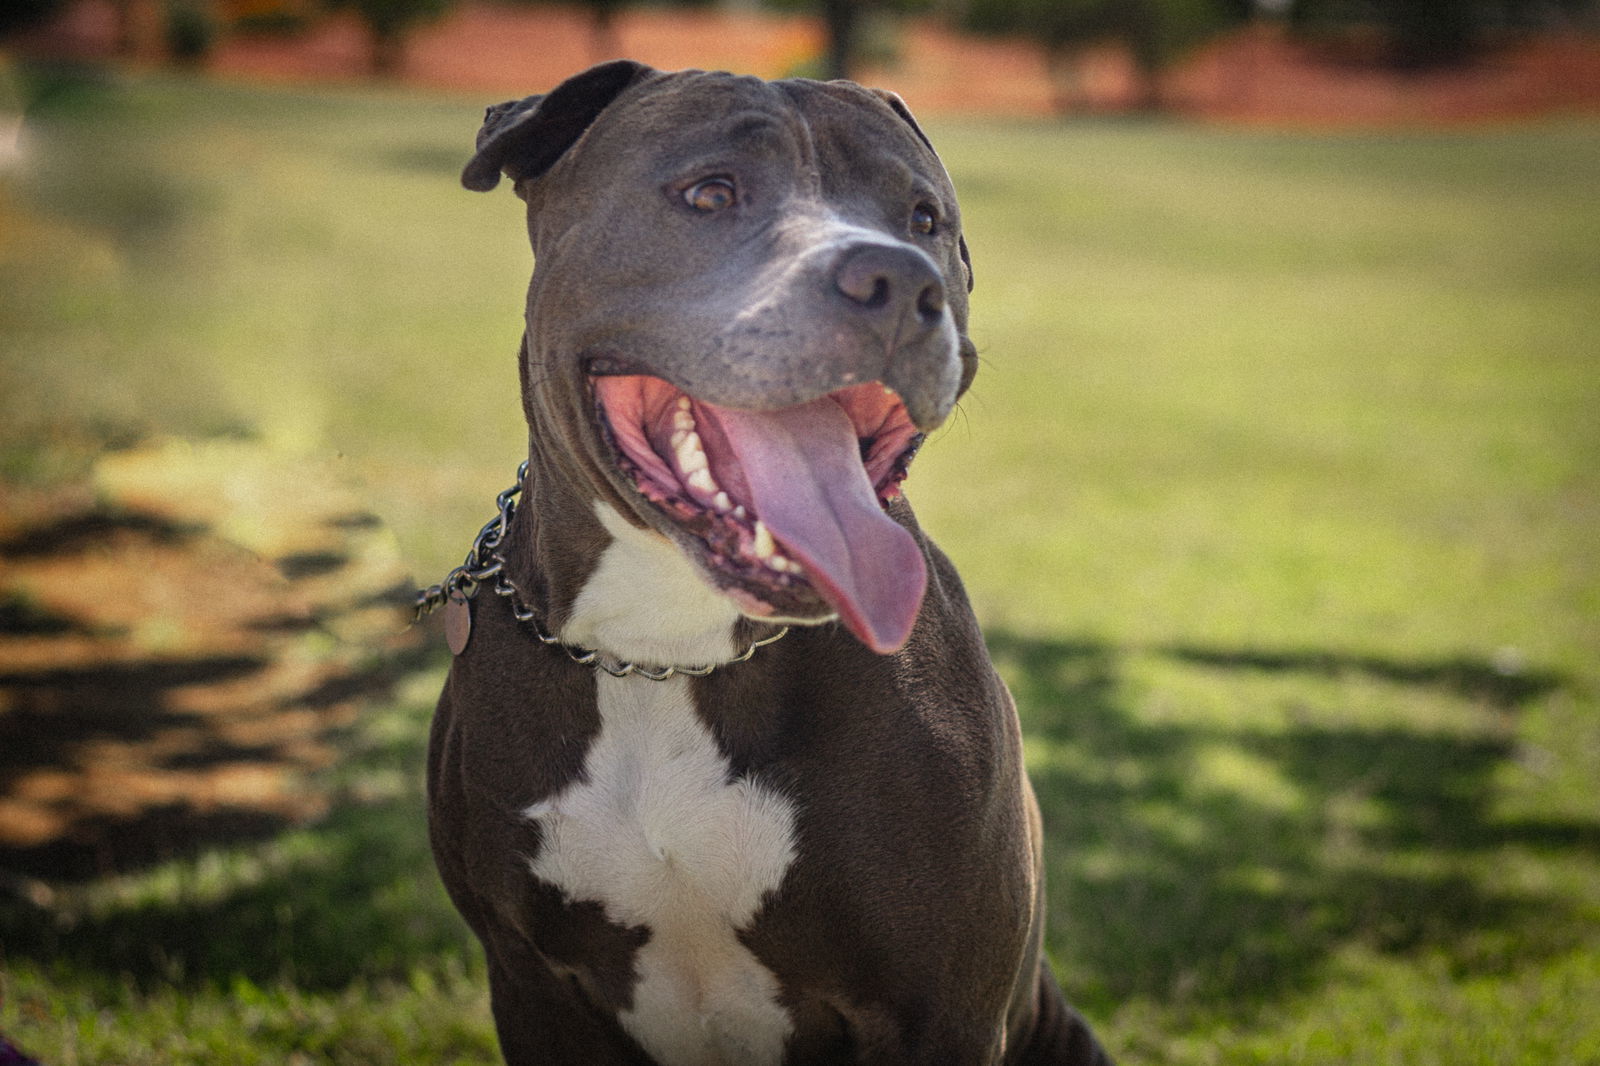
(658,834)
(646,603)
(655,831)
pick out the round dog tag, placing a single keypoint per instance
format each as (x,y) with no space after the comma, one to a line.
(457,622)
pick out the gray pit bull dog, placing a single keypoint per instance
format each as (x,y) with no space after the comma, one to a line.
(749,305)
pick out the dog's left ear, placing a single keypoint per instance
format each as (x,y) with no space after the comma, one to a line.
(523,138)
(899,107)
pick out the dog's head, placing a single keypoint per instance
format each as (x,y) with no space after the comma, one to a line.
(756,293)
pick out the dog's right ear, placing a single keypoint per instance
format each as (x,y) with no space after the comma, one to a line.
(523,138)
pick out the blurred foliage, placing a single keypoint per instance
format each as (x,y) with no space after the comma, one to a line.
(19,15)
(1418,34)
(389,25)
(1156,33)
(1415,34)
(604,42)
(191,30)
(854,30)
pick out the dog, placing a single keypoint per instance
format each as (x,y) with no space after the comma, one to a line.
(728,779)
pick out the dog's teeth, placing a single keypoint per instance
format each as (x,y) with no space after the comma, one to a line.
(683,403)
(740,513)
(682,420)
(777,562)
(764,545)
(722,503)
(701,480)
(690,455)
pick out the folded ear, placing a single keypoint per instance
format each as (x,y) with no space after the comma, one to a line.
(523,138)
(899,107)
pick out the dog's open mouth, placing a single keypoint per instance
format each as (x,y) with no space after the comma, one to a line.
(785,507)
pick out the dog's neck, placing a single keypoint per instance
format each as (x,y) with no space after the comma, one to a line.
(597,581)
(645,603)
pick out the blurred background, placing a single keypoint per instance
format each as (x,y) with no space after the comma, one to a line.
(1278,496)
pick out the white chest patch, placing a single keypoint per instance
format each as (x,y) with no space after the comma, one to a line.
(658,834)
(646,603)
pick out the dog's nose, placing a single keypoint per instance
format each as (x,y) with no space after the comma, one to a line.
(898,286)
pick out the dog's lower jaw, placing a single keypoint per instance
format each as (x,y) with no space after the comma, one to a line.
(781,508)
(756,609)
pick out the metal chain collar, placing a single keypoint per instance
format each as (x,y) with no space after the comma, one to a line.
(484,562)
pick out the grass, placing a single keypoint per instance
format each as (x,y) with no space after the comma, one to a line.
(1286,544)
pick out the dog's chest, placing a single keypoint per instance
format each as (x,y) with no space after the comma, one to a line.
(659,832)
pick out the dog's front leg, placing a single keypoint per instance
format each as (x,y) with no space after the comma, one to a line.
(544,1019)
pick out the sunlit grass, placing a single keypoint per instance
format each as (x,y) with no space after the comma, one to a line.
(1277,495)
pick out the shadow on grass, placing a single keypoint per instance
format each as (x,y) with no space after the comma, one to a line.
(351,898)
(1162,884)
(356,898)
(1166,884)
(88,529)
(187,701)
(1505,685)
(52,717)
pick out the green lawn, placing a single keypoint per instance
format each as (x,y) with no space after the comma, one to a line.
(1278,496)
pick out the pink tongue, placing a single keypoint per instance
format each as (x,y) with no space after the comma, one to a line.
(807,483)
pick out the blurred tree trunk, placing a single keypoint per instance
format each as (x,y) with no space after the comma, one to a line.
(137,28)
(1433,33)
(604,42)
(843,24)
(388,55)
(1153,33)
(1076,31)
(390,24)
(125,36)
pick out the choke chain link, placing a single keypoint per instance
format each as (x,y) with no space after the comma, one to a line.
(484,562)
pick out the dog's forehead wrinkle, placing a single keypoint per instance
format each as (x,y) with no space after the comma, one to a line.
(759,129)
(719,140)
(848,115)
(892,173)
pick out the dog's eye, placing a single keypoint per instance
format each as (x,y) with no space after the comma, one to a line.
(923,219)
(713,194)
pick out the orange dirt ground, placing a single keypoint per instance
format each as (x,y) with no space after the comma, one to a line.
(1256,75)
